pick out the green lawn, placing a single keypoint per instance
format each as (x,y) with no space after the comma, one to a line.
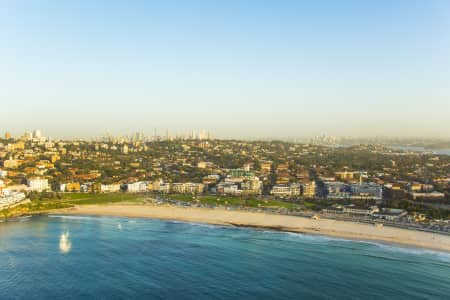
(88,198)
(69,200)
(232,201)
(309,204)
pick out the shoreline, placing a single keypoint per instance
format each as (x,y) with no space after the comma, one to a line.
(260,220)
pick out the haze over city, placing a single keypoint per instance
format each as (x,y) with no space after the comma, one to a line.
(237,68)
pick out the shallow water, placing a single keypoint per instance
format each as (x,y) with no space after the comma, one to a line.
(120,258)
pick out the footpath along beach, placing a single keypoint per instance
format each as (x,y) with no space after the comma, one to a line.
(219,216)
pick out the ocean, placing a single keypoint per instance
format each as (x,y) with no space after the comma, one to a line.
(77,257)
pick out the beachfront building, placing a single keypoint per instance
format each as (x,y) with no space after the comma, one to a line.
(337,190)
(366,191)
(159,186)
(240,182)
(188,188)
(110,188)
(164,188)
(352,210)
(357,191)
(70,187)
(10,198)
(228,188)
(391,214)
(37,184)
(309,189)
(137,187)
(251,186)
(284,190)
(361,211)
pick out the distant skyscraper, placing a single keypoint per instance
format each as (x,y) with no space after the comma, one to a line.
(138,137)
(28,136)
(203,135)
(7,135)
(37,134)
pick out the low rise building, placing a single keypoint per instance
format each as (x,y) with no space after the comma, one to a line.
(38,184)
(433,195)
(391,214)
(362,191)
(72,187)
(110,188)
(137,187)
(309,189)
(10,198)
(286,191)
(362,211)
(366,191)
(228,188)
(188,188)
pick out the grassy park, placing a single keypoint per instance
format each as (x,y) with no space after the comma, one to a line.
(67,200)
(232,201)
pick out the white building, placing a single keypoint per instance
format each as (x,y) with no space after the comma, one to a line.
(367,191)
(188,188)
(164,188)
(286,190)
(352,210)
(110,188)
(252,186)
(10,198)
(362,191)
(37,184)
(137,187)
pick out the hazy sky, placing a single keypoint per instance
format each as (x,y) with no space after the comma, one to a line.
(235,68)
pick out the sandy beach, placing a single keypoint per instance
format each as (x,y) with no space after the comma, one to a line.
(341,229)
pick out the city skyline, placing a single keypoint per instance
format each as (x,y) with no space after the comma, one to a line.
(238,70)
(194,134)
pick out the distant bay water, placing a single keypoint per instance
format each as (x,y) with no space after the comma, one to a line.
(421,149)
(77,257)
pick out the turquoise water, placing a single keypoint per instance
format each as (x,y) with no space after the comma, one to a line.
(67,257)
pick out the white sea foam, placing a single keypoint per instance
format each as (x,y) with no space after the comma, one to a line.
(64,243)
(311,237)
(382,246)
(416,251)
(204,225)
(74,217)
(119,226)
